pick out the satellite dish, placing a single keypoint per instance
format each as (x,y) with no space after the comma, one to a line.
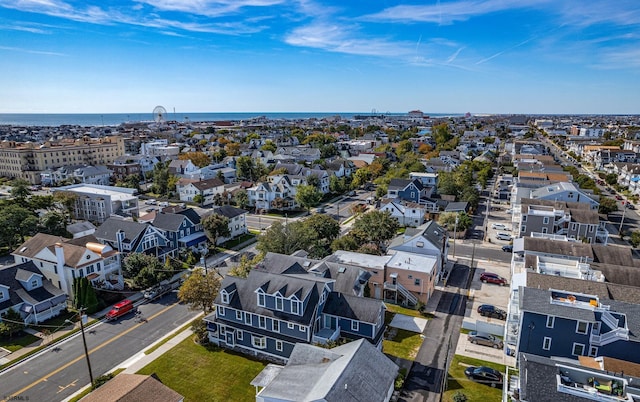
(159,113)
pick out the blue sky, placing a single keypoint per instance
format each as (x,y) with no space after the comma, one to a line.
(478,56)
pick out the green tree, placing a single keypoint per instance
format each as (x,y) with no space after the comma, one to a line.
(611,179)
(308,196)
(245,265)
(324,226)
(16,222)
(635,239)
(198,199)
(607,205)
(145,270)
(404,147)
(360,177)
(37,202)
(448,221)
(20,191)
(199,291)
(285,239)
(200,159)
(84,296)
(347,242)
(269,146)
(66,200)
(53,223)
(241,198)
(216,226)
(161,178)
(11,323)
(375,227)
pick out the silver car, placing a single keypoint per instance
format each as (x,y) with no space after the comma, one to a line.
(484,339)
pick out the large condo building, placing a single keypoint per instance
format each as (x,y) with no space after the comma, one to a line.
(27,159)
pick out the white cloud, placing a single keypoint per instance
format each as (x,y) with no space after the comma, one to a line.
(209,8)
(341,39)
(30,51)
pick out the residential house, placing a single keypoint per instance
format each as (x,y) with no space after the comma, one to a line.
(62,260)
(278,193)
(428,239)
(134,237)
(352,372)
(570,324)
(341,168)
(133,388)
(125,166)
(300,153)
(268,313)
(25,289)
(237,221)
(207,189)
(575,220)
(428,179)
(407,213)
(408,190)
(410,278)
(350,265)
(81,229)
(99,175)
(182,168)
(97,203)
(180,231)
(562,191)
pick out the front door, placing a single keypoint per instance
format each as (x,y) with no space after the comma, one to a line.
(377,293)
(231,337)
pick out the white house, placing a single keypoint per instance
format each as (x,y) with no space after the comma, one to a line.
(62,260)
(188,189)
(407,213)
(237,221)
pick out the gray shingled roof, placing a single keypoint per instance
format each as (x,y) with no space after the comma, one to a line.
(352,307)
(169,222)
(229,211)
(9,277)
(353,372)
(107,231)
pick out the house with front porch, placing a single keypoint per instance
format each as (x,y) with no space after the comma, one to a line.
(268,313)
(408,190)
(25,289)
(407,213)
(206,189)
(134,237)
(62,260)
(180,231)
(277,193)
(237,221)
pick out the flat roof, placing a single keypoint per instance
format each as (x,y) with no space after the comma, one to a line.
(115,195)
(413,262)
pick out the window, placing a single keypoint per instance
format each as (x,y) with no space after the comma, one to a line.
(290,325)
(544,230)
(279,346)
(262,322)
(581,327)
(238,315)
(355,325)
(524,228)
(34,283)
(259,342)
(261,299)
(524,218)
(578,349)
(247,318)
(416,282)
(279,303)
(546,343)
(239,335)
(593,351)
(295,307)
(275,324)
(545,220)
(220,311)
(225,297)
(550,321)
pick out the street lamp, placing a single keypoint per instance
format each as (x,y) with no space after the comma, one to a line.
(84,342)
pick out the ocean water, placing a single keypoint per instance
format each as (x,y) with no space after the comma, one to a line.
(115,119)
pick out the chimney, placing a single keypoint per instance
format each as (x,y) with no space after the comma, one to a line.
(66,287)
(120,239)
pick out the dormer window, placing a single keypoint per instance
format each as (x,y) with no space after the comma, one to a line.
(295,307)
(261,300)
(225,297)
(279,303)
(34,283)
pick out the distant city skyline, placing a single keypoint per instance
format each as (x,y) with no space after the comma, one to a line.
(478,56)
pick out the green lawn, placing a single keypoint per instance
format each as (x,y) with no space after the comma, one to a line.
(18,341)
(474,391)
(394,308)
(405,344)
(206,374)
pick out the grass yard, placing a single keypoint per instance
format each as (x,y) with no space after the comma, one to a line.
(405,344)
(474,391)
(18,341)
(206,374)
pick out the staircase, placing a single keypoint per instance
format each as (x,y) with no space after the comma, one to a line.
(409,297)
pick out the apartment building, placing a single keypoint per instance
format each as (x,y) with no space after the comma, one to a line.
(28,160)
(97,203)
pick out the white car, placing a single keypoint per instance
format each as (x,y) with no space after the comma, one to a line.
(503,236)
(499,226)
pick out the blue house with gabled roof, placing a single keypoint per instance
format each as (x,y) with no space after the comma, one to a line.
(267,313)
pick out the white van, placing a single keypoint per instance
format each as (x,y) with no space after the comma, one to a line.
(163,204)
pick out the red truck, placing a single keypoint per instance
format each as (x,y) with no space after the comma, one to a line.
(120,309)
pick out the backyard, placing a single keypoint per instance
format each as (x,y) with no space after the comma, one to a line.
(202,373)
(457,382)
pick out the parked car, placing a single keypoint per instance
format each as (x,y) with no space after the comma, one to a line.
(489,310)
(163,204)
(507,248)
(498,226)
(618,197)
(150,202)
(119,309)
(351,193)
(489,277)
(503,236)
(484,375)
(629,205)
(484,339)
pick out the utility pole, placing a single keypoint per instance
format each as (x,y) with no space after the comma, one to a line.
(203,260)
(84,343)
(455,232)
(624,210)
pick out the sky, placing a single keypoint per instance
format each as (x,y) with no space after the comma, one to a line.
(438,56)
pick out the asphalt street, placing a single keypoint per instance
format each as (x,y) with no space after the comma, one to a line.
(426,379)
(57,372)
